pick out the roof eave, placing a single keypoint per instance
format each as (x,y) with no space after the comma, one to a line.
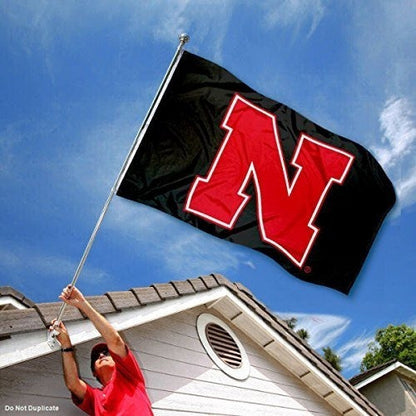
(397,366)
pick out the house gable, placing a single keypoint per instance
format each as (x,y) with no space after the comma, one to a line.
(390,386)
(182,377)
(234,302)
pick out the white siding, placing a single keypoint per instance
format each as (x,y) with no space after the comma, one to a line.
(35,383)
(180,375)
(181,378)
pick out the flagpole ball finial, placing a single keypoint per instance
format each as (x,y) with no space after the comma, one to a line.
(184,37)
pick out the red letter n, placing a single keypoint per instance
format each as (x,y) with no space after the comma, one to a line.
(252,150)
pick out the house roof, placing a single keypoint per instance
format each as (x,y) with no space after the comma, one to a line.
(375,373)
(233,300)
(16,296)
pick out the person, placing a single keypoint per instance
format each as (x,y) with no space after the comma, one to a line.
(123,391)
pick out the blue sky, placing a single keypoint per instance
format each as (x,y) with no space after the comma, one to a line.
(76,81)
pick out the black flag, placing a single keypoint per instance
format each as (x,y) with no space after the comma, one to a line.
(245,168)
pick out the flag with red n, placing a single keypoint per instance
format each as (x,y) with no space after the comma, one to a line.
(250,170)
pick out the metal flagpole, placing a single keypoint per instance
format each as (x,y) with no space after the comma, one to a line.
(183,38)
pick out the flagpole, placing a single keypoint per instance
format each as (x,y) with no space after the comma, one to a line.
(183,39)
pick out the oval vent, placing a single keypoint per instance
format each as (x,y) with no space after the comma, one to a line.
(223,346)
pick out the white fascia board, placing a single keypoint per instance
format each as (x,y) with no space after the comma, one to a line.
(25,346)
(401,368)
(4,300)
(307,364)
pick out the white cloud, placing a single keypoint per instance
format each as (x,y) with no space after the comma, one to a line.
(95,164)
(206,22)
(23,260)
(43,23)
(40,26)
(295,13)
(250,264)
(201,257)
(353,352)
(382,37)
(9,259)
(184,248)
(398,125)
(138,221)
(406,187)
(397,154)
(324,330)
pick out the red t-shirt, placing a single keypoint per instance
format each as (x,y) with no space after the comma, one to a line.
(124,395)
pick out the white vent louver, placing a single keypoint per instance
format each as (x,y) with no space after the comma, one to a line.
(223,346)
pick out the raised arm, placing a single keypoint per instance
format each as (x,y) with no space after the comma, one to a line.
(72,381)
(72,296)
